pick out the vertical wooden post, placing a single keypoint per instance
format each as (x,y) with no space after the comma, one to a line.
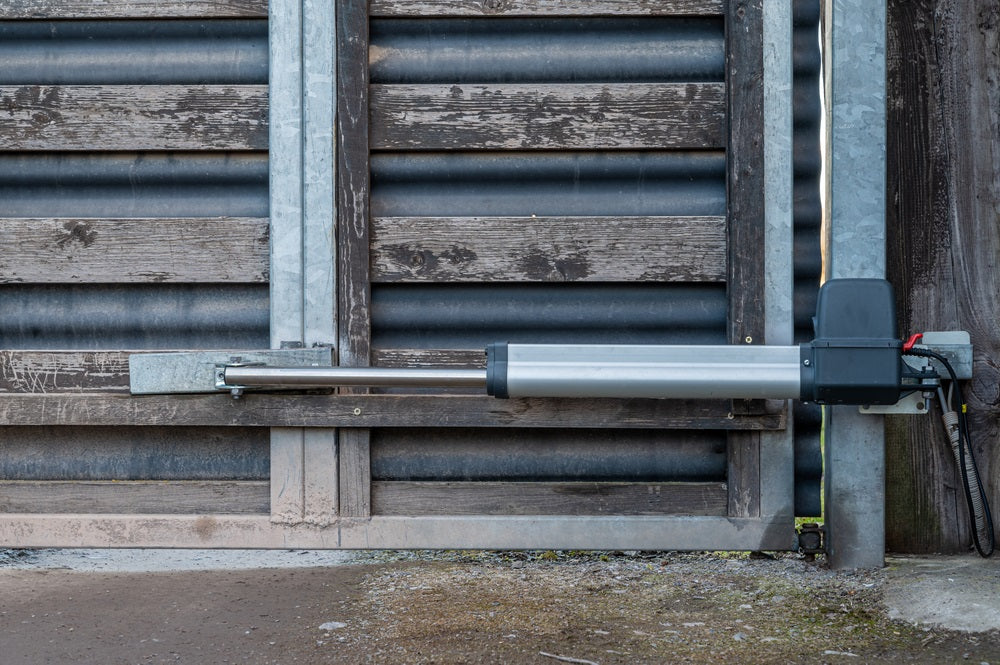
(745,217)
(943,243)
(352,242)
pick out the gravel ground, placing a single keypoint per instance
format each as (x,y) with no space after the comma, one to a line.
(463,607)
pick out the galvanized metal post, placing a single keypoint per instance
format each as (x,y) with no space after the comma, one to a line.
(303,462)
(777,477)
(855,102)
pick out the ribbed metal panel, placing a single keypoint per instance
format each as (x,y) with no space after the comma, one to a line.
(139,52)
(549,455)
(469,317)
(524,184)
(133,317)
(546,50)
(150,453)
(807,218)
(133,185)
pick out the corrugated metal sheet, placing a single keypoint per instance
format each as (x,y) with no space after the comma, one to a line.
(140,52)
(549,455)
(115,453)
(547,50)
(133,317)
(133,185)
(807,219)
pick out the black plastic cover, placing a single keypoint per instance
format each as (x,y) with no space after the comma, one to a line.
(856,357)
(496,370)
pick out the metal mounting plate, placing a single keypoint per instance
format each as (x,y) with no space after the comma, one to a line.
(194,371)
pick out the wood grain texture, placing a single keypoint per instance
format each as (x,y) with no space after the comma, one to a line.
(545,249)
(546,7)
(63,371)
(464,358)
(745,170)
(353,186)
(133,117)
(360,411)
(132,497)
(943,193)
(98,9)
(353,280)
(94,251)
(743,474)
(406,498)
(548,116)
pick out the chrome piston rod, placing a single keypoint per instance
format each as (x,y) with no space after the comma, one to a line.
(384,377)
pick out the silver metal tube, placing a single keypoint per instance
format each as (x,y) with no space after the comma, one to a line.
(355,376)
(679,372)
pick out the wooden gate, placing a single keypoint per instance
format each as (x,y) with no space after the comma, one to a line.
(442,174)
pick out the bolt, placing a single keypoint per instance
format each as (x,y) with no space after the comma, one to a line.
(806,362)
(357,411)
(236,393)
(748,339)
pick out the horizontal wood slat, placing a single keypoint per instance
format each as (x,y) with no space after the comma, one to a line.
(69,9)
(134,496)
(471,358)
(78,251)
(63,371)
(133,117)
(284,410)
(546,7)
(519,249)
(548,116)
(560,498)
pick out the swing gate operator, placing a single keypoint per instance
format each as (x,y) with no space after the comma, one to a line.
(856,358)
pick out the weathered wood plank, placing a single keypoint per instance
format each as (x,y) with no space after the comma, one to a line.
(743,474)
(519,249)
(134,496)
(548,116)
(91,251)
(745,171)
(107,9)
(546,7)
(465,358)
(283,410)
(133,117)
(353,281)
(63,371)
(562,498)
(943,240)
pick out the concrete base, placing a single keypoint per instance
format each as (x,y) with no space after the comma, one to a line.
(952,592)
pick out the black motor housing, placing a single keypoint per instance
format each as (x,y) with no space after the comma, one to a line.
(856,357)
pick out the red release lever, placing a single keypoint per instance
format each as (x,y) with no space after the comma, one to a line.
(908,344)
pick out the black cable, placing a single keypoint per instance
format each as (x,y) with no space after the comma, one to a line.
(965,445)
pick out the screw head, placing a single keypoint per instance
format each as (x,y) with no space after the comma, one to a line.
(357,411)
(806,362)
(748,339)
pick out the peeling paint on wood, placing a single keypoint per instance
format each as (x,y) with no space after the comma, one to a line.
(133,117)
(360,411)
(540,116)
(135,496)
(546,7)
(544,249)
(93,251)
(544,498)
(63,371)
(70,9)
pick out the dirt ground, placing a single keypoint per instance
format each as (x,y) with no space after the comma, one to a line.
(473,607)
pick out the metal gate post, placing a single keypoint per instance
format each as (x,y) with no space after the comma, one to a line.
(855,232)
(777,480)
(301,37)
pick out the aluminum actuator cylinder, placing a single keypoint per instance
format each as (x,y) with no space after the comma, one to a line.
(678,372)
